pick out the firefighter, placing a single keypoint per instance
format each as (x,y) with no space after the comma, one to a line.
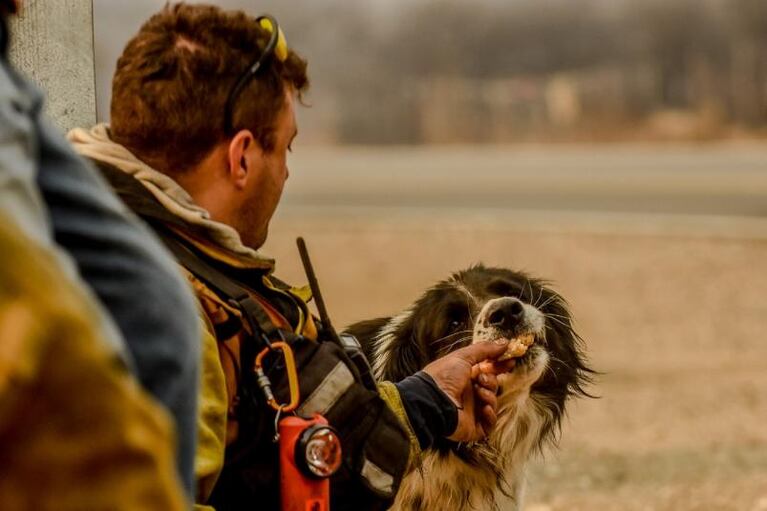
(202,120)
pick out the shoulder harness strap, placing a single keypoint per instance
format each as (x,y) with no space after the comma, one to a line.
(236,295)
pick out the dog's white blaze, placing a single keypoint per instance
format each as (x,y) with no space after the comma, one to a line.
(383,342)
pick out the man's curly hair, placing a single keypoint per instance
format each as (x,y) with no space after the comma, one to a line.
(173,78)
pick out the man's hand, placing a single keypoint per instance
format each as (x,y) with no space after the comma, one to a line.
(456,373)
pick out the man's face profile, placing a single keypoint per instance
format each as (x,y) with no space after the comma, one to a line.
(264,190)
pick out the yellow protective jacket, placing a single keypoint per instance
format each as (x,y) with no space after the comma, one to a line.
(216,427)
(76,431)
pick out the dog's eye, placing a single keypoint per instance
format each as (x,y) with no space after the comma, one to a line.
(456,325)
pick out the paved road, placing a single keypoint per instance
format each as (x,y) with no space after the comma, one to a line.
(719,180)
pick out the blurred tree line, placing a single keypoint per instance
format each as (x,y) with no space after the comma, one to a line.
(499,71)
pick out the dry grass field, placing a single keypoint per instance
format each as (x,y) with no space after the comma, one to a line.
(675,318)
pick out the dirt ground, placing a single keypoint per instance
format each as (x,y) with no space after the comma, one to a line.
(675,322)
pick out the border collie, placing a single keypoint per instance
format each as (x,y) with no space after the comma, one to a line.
(484,304)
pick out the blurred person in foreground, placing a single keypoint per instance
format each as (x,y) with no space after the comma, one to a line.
(202,119)
(76,431)
(64,206)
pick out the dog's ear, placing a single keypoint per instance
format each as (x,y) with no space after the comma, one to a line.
(366,332)
(569,373)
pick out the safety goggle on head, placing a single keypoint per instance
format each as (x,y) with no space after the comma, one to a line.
(277,46)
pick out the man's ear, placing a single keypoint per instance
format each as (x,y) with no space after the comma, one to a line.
(243,156)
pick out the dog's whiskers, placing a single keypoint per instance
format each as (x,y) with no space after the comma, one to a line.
(458,332)
(552,358)
(455,343)
(540,295)
(548,301)
(555,318)
(567,326)
(550,369)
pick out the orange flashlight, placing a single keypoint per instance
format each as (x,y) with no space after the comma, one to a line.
(310,452)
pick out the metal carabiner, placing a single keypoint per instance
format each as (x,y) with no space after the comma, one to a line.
(290,369)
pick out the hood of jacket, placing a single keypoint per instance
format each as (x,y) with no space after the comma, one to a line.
(97,145)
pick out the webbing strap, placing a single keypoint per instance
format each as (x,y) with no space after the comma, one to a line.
(235,294)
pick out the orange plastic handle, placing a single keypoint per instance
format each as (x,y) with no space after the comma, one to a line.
(290,368)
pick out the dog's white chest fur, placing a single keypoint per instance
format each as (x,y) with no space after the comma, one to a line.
(496,482)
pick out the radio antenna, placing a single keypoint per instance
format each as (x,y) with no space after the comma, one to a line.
(315,287)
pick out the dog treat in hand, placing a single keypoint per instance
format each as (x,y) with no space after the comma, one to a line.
(518,346)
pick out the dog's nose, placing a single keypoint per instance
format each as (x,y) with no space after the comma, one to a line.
(506,314)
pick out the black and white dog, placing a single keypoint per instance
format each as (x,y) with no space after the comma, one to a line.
(484,304)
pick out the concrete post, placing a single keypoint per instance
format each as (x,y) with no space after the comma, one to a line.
(52,43)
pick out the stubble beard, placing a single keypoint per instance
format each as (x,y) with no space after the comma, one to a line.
(251,226)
